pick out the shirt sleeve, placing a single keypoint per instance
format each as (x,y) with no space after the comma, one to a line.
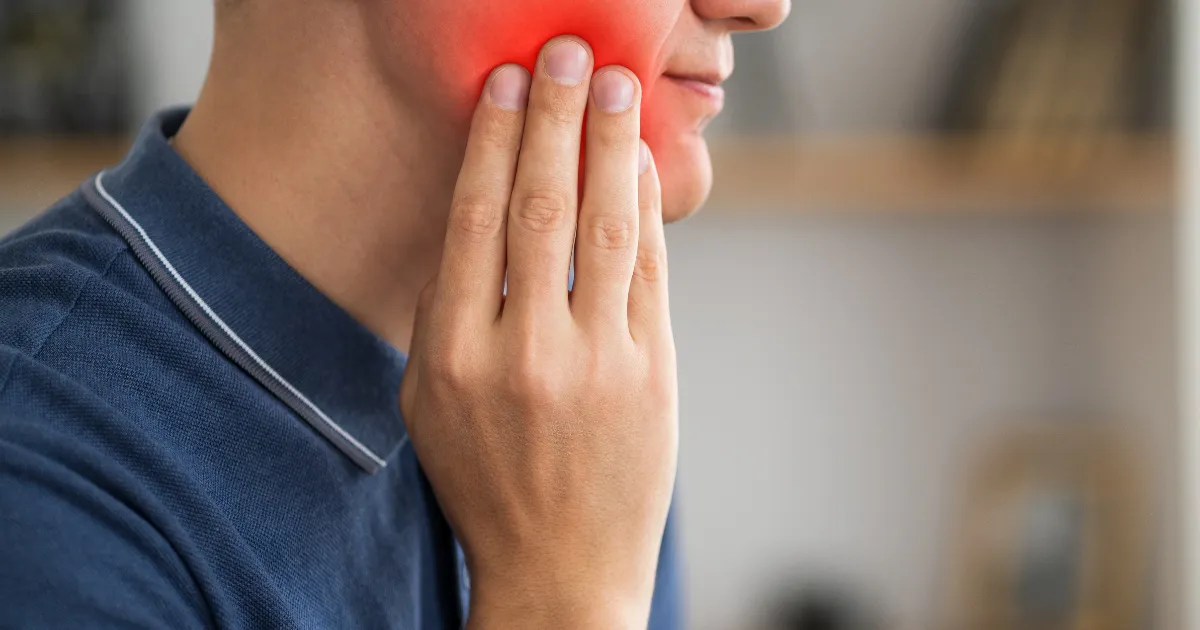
(666,611)
(73,554)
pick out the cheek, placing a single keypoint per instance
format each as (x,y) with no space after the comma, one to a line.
(458,43)
(474,37)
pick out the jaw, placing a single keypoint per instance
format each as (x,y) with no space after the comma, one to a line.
(684,166)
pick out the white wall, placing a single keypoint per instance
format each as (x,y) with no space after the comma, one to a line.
(834,372)
(1188,113)
(170,41)
(838,372)
(1129,365)
(867,65)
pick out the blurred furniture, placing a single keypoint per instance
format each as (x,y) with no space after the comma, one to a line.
(824,607)
(63,67)
(1073,68)
(35,171)
(1052,535)
(941,173)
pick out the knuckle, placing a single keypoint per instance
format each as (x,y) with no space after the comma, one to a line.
(609,366)
(542,210)
(536,386)
(650,264)
(452,370)
(452,360)
(532,378)
(476,218)
(611,231)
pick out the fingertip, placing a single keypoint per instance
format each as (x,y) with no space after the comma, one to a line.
(567,59)
(563,39)
(645,158)
(615,90)
(508,87)
(649,186)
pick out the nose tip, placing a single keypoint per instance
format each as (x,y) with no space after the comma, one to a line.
(770,13)
(746,15)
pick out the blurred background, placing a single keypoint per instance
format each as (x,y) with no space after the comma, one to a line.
(927,325)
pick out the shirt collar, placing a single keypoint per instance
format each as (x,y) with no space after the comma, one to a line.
(330,370)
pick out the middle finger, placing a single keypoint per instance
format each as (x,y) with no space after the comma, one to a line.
(542,211)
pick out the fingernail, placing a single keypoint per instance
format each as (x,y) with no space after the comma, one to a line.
(567,62)
(644,158)
(510,88)
(613,91)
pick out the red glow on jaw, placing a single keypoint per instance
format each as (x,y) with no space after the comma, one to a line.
(483,34)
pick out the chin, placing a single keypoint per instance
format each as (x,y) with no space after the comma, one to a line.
(685,169)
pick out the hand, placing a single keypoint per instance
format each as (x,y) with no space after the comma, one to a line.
(547,420)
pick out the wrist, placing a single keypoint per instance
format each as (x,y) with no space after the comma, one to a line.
(544,600)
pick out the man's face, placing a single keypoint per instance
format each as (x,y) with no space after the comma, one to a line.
(680,49)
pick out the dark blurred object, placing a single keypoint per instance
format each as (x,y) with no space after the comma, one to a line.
(63,68)
(1061,80)
(1056,66)
(1053,535)
(823,607)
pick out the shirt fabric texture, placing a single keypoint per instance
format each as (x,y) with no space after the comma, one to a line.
(193,436)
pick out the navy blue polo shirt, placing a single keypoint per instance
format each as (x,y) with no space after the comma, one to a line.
(193,436)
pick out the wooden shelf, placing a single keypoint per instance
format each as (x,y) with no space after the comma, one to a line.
(869,174)
(943,174)
(35,172)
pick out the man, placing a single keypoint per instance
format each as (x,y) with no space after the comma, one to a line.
(201,349)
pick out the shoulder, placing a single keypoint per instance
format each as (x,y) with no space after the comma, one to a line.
(50,271)
(68,283)
(51,421)
(45,265)
(83,539)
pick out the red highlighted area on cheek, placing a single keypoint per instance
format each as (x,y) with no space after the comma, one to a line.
(483,34)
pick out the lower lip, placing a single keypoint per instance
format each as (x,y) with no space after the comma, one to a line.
(713,94)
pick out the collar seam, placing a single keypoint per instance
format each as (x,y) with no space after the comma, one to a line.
(217,331)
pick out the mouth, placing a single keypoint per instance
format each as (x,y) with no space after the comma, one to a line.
(704,85)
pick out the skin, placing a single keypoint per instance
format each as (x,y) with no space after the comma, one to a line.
(545,419)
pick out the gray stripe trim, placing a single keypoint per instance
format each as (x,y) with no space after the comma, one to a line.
(220,334)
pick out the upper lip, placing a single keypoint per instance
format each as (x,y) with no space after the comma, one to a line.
(713,78)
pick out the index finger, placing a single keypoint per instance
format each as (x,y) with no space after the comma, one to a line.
(471,280)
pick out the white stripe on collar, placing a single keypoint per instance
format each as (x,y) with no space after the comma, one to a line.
(327,427)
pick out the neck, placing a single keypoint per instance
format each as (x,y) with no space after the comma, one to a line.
(299,132)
